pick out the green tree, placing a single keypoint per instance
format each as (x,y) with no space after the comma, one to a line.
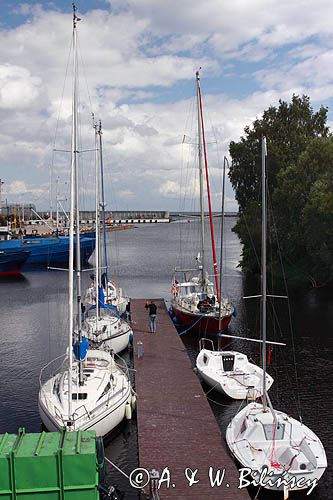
(300,173)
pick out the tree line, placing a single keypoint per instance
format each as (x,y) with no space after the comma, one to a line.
(300,187)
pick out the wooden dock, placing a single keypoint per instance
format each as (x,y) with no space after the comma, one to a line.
(176,426)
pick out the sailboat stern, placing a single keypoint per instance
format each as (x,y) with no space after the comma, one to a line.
(283,454)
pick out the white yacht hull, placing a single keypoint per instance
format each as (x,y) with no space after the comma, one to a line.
(310,477)
(107,332)
(244,380)
(97,403)
(299,457)
(102,423)
(116,343)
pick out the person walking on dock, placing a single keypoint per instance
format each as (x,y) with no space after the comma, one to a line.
(128,311)
(152,315)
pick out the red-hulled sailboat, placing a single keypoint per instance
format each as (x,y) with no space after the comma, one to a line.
(195,301)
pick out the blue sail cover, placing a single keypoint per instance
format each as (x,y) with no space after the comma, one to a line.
(80,349)
(101,298)
(102,305)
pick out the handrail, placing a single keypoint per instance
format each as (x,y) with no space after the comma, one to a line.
(47,365)
(203,341)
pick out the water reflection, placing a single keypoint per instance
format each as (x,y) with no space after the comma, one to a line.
(34,330)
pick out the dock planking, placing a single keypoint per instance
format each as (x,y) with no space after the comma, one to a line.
(176,426)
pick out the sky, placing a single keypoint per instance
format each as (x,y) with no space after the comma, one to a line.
(137,64)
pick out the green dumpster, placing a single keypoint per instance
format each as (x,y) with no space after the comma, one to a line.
(50,465)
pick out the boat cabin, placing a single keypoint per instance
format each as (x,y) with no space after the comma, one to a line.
(190,288)
(5,233)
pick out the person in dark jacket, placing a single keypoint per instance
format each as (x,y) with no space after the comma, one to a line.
(152,315)
(128,311)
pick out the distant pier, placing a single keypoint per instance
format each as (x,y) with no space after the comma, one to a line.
(176,426)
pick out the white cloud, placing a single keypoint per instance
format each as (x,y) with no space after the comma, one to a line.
(23,190)
(18,88)
(139,63)
(231,25)
(125,194)
(314,71)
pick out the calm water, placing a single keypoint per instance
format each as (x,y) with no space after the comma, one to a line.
(34,311)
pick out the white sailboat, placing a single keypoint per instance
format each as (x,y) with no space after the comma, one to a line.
(92,392)
(103,326)
(91,395)
(113,294)
(229,372)
(279,452)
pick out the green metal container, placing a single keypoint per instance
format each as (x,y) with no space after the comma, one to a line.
(51,465)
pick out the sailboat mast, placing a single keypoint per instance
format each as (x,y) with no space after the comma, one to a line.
(263,265)
(57,207)
(202,209)
(77,204)
(212,236)
(221,250)
(71,230)
(97,224)
(103,205)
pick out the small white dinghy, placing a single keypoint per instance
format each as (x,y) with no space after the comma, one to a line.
(230,372)
(98,403)
(280,450)
(276,451)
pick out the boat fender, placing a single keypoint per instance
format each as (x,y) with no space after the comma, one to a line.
(235,313)
(128,411)
(133,401)
(100,458)
(195,369)
(269,356)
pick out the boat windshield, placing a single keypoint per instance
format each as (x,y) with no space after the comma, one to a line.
(189,289)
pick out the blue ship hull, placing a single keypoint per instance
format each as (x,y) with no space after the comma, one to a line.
(11,261)
(89,234)
(49,251)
